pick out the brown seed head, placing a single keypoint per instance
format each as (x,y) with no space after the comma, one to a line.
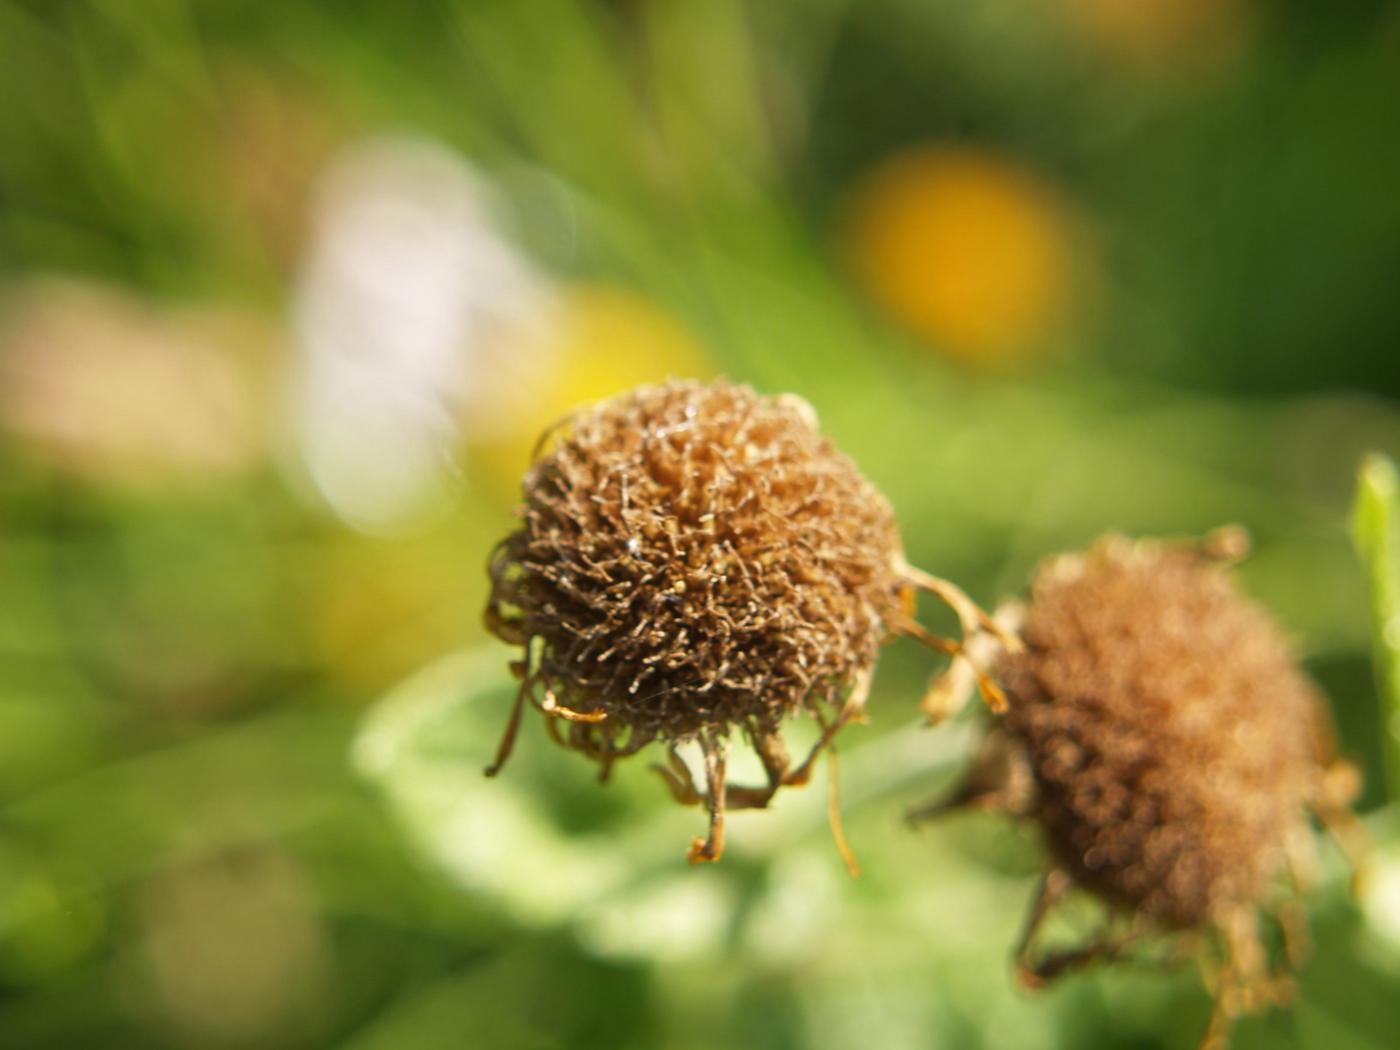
(695,557)
(1174,743)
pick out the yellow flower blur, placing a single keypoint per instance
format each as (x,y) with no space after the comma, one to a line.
(966,249)
(1194,32)
(594,341)
(378,609)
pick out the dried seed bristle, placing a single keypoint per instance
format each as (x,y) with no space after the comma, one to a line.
(696,559)
(1172,736)
(1160,732)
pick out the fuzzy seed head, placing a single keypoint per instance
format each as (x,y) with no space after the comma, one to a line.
(1174,743)
(695,557)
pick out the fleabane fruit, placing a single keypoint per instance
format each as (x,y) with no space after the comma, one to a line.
(1160,732)
(696,562)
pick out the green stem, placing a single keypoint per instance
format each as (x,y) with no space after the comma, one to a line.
(1375,527)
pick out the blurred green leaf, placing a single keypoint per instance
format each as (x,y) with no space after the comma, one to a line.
(426,745)
(1376,531)
(624,888)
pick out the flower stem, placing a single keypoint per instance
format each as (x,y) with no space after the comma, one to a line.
(1375,527)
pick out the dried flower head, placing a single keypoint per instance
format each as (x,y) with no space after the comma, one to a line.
(696,559)
(1159,731)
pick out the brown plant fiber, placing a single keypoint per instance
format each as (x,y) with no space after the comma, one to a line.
(695,557)
(1174,743)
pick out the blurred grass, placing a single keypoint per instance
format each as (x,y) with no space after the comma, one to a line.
(1376,532)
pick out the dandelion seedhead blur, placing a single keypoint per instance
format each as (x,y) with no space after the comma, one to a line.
(1161,734)
(407,280)
(696,559)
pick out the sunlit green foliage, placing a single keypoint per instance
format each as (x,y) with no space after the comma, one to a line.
(213,832)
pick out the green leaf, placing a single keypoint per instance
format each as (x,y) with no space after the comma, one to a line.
(1376,532)
(624,888)
(425,746)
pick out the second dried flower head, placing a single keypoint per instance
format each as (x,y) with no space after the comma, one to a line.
(1161,735)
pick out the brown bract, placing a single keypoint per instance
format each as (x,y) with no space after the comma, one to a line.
(694,559)
(1159,731)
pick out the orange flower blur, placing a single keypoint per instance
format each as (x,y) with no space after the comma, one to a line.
(969,251)
(1152,32)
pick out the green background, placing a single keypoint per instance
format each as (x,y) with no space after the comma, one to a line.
(220,828)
